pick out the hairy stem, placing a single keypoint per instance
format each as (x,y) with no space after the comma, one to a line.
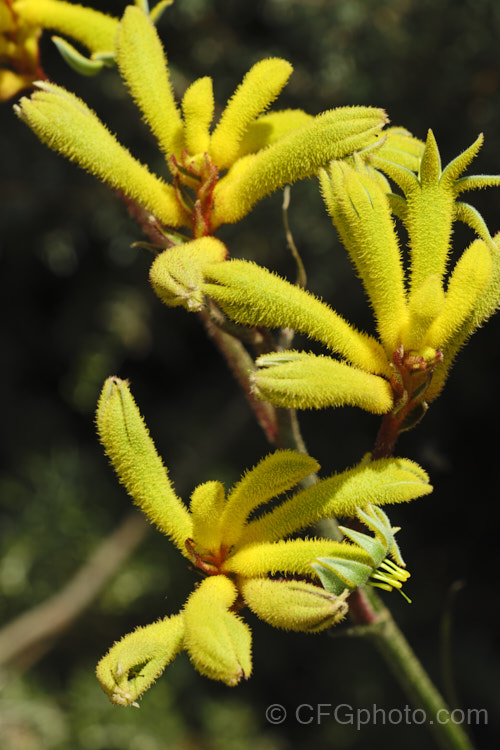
(241,365)
(368,610)
(415,681)
(374,622)
(370,616)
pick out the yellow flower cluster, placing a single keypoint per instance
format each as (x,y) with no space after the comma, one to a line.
(217,175)
(422,320)
(238,554)
(21,23)
(424,312)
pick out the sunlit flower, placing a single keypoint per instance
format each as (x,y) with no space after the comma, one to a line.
(245,559)
(21,24)
(19,63)
(422,320)
(217,174)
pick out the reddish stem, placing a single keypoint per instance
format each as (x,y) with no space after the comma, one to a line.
(361,611)
(387,437)
(241,365)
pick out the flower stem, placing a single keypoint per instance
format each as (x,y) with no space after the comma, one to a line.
(387,437)
(416,683)
(380,627)
(371,617)
(241,364)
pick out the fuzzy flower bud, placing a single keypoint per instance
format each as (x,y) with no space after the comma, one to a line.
(134,663)
(294,605)
(218,642)
(177,273)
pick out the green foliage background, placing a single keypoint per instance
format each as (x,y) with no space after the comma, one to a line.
(76,307)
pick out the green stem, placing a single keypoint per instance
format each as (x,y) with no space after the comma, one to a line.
(450,690)
(288,431)
(372,619)
(416,683)
(378,624)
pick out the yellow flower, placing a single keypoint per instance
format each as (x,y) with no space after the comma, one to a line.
(21,23)
(240,554)
(19,63)
(217,174)
(422,321)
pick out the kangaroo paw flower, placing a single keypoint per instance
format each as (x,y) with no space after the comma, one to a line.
(218,174)
(239,545)
(132,665)
(294,605)
(217,640)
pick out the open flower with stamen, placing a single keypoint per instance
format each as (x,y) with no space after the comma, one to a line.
(240,547)
(217,175)
(422,321)
(385,573)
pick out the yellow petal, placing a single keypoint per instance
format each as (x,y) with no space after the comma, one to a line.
(142,64)
(430,163)
(257,91)
(206,507)
(361,212)
(486,304)
(429,222)
(276,473)
(269,128)
(429,218)
(292,557)
(218,642)
(426,303)
(90,27)
(489,300)
(306,381)
(299,154)
(198,111)
(380,482)
(254,296)
(293,605)
(66,124)
(13,83)
(177,273)
(428,214)
(470,277)
(134,663)
(133,455)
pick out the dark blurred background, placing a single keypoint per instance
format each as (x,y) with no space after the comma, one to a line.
(76,307)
